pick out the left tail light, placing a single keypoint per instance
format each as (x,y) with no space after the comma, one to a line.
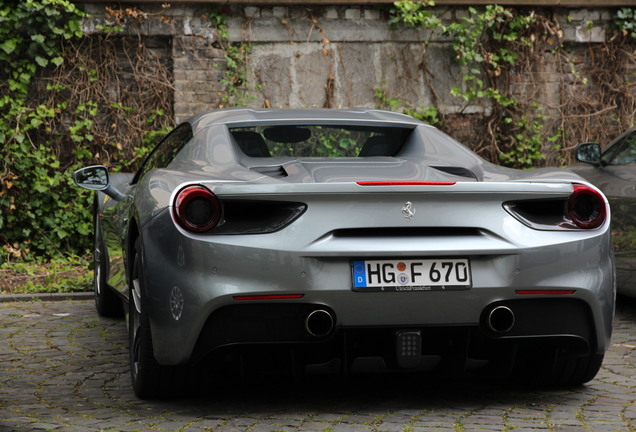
(197,209)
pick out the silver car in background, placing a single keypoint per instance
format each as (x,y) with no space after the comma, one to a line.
(349,241)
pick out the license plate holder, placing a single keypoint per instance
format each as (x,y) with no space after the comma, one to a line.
(407,275)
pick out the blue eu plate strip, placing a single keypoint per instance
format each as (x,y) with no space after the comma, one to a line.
(359,274)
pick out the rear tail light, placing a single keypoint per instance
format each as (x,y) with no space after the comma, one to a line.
(197,209)
(586,207)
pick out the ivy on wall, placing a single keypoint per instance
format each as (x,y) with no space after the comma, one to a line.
(494,45)
(63,105)
(238,91)
(487,44)
(36,209)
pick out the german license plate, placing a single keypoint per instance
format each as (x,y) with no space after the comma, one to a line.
(436,274)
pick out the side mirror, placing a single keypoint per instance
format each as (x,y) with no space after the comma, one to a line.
(96,178)
(92,177)
(589,153)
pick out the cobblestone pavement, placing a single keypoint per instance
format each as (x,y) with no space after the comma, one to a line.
(64,368)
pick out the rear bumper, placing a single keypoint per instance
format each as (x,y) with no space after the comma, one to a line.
(564,323)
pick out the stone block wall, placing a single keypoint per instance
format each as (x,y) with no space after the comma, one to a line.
(339,56)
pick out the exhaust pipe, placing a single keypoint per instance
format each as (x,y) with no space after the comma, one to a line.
(501,319)
(319,323)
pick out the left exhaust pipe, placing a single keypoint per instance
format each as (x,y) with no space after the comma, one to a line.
(319,323)
(501,319)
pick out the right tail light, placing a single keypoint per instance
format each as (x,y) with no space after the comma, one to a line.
(586,207)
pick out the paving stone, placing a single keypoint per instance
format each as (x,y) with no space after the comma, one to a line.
(390,427)
(70,373)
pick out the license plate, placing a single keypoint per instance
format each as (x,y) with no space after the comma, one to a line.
(436,274)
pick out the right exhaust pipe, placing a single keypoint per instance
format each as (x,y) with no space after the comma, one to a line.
(501,319)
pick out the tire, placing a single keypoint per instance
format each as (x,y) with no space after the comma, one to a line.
(107,302)
(150,380)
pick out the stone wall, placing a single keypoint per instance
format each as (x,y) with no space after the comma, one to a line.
(338,56)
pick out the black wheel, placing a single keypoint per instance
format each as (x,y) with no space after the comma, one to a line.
(149,378)
(107,302)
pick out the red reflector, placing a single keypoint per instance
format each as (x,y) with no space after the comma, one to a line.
(406,183)
(270,297)
(545,292)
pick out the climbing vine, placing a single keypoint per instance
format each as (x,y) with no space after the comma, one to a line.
(63,105)
(238,89)
(34,210)
(428,114)
(499,49)
(625,22)
(487,44)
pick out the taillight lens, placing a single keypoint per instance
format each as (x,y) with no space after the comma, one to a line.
(586,207)
(197,209)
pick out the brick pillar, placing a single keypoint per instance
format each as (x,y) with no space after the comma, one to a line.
(197,76)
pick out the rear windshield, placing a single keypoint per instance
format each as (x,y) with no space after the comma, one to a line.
(320,140)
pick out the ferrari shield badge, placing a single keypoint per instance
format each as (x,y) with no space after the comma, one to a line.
(408,210)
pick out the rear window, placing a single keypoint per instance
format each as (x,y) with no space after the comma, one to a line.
(334,141)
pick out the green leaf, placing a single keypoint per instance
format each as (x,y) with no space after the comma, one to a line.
(38,38)
(9,45)
(41,61)
(57,61)
(40,188)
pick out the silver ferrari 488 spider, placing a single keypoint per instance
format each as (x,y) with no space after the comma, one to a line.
(349,241)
